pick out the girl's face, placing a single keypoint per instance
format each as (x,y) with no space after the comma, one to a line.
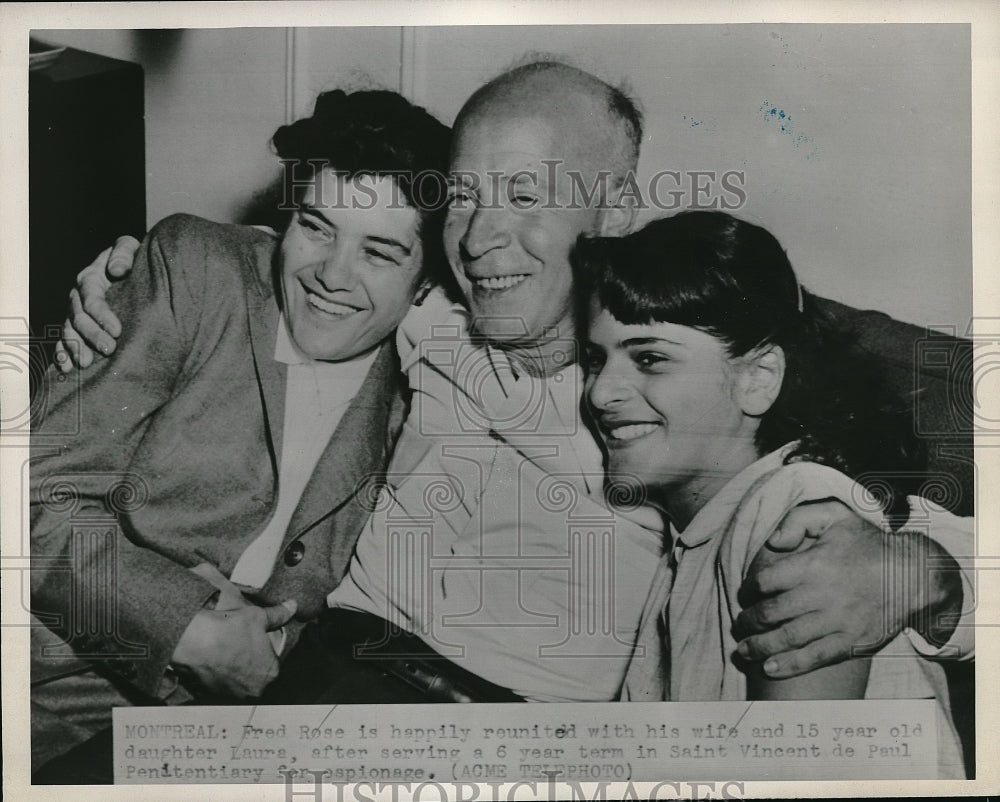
(670,405)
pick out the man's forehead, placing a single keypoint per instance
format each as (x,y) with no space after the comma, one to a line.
(494,141)
(524,132)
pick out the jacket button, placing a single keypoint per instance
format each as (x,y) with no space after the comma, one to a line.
(294,553)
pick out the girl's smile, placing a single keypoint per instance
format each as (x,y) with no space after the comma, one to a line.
(670,404)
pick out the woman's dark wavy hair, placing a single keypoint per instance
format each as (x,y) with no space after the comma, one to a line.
(377,133)
(732,279)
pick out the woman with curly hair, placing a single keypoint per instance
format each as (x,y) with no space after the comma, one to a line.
(256,388)
(720,393)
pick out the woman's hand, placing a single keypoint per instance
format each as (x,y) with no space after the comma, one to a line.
(91,323)
(229,651)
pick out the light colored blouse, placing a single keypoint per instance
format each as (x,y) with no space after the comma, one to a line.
(685,645)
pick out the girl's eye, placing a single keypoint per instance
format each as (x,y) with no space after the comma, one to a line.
(651,359)
(593,360)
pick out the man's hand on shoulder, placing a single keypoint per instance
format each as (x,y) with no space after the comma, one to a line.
(829,585)
(91,325)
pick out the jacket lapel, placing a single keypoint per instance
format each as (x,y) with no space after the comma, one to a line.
(360,445)
(271,375)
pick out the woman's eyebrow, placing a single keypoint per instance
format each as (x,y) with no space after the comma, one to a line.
(316,211)
(649,341)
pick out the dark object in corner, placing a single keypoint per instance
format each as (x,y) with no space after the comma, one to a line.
(87,174)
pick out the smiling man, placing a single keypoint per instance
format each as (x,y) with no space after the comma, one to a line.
(525,147)
(500,584)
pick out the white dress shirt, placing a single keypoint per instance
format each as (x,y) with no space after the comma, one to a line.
(491,540)
(317,394)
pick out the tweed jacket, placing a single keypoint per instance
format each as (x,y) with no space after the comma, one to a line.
(165,456)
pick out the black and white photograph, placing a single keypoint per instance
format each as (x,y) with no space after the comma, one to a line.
(388,398)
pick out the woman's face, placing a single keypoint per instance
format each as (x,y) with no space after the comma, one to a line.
(667,400)
(350,265)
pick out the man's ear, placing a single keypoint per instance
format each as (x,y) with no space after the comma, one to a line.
(618,217)
(762,374)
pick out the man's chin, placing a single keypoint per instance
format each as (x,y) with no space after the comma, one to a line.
(502,324)
(624,489)
(510,329)
(508,322)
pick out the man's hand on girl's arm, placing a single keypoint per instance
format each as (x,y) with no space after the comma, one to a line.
(819,592)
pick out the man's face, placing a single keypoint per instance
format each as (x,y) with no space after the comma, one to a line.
(350,265)
(512,222)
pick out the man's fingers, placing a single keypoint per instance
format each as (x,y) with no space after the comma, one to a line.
(823,652)
(280,614)
(62,358)
(776,577)
(791,635)
(70,352)
(787,537)
(94,295)
(91,332)
(122,257)
(98,267)
(800,522)
(769,612)
(75,348)
(93,282)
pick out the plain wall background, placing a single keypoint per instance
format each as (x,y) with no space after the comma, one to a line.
(868,186)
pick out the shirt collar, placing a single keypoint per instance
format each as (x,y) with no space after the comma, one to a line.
(710,518)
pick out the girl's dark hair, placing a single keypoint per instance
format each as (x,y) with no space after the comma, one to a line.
(377,133)
(731,279)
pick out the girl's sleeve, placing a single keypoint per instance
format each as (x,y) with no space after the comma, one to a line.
(791,485)
(956,535)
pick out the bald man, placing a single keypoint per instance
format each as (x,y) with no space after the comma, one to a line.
(492,540)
